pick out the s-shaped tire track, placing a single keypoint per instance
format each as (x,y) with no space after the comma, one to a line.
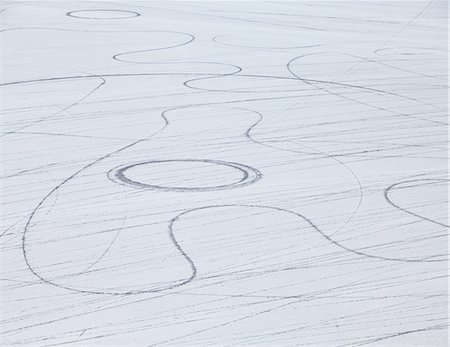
(329,237)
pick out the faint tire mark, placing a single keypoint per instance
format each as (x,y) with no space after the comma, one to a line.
(218,39)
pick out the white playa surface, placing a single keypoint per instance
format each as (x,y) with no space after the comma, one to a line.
(224,173)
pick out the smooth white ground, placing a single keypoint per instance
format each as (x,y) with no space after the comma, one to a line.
(335,231)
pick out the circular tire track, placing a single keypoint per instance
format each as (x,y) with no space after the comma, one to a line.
(125,14)
(249,176)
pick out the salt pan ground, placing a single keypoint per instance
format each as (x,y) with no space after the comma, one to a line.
(224,173)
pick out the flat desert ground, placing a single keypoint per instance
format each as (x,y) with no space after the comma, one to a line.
(224,173)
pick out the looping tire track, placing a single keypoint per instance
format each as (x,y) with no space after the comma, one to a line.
(56,188)
(177,246)
(395,185)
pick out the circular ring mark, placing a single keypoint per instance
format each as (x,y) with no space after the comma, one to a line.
(249,176)
(123,14)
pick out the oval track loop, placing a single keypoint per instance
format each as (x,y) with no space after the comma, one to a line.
(108,14)
(249,176)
